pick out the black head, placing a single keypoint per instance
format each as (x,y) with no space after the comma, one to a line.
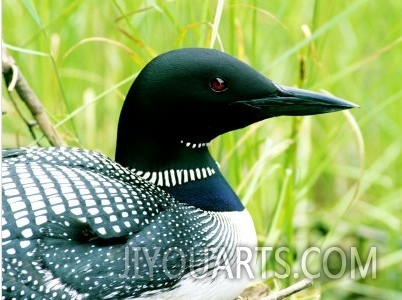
(193,95)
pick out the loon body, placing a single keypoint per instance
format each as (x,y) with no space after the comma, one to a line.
(160,221)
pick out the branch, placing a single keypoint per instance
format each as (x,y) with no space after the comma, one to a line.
(16,81)
(293,289)
(261,291)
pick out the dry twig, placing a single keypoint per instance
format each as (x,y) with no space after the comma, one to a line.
(16,81)
(260,291)
(293,289)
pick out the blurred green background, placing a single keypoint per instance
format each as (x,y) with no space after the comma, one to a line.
(321,181)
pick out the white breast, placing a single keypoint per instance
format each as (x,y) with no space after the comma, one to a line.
(223,281)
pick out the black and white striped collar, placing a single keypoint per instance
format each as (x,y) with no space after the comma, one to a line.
(173,177)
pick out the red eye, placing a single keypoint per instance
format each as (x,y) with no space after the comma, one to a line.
(218,85)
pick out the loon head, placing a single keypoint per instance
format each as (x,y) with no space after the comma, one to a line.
(193,95)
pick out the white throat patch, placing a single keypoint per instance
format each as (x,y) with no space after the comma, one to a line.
(194,145)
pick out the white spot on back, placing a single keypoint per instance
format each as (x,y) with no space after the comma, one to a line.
(24,244)
(5,234)
(40,220)
(93,211)
(22,222)
(11,251)
(58,209)
(17,206)
(102,230)
(76,211)
(27,233)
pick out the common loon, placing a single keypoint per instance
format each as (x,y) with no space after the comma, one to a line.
(160,221)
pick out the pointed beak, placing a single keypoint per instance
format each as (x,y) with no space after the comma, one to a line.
(288,101)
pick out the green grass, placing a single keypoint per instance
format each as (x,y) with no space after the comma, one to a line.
(303,179)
